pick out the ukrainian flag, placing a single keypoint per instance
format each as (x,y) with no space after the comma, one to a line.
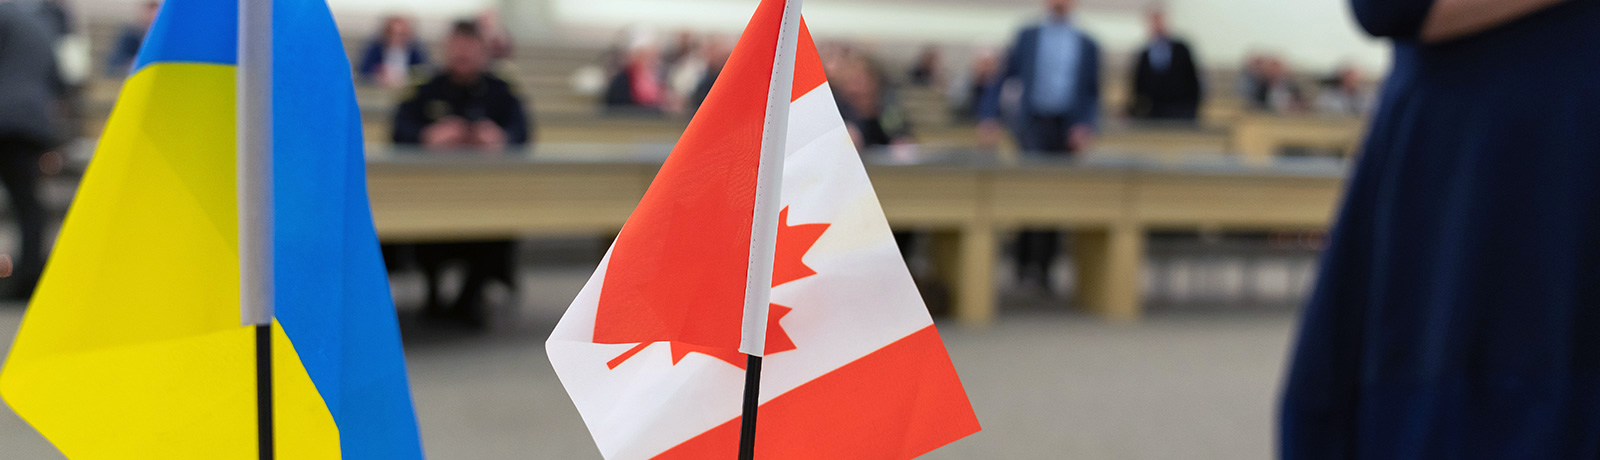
(133,348)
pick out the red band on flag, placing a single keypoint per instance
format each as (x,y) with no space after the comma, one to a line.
(859,411)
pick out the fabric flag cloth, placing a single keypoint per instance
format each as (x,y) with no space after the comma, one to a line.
(133,347)
(853,368)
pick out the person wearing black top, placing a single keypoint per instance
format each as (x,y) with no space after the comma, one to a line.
(1166,81)
(464,109)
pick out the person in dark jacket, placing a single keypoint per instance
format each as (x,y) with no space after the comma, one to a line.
(1457,310)
(1166,81)
(464,109)
(1058,66)
(30,91)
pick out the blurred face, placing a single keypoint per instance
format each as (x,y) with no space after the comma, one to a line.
(1060,8)
(1158,23)
(466,57)
(398,32)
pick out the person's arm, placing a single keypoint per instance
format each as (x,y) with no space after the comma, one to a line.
(514,120)
(1451,19)
(1436,21)
(371,59)
(1192,79)
(1091,74)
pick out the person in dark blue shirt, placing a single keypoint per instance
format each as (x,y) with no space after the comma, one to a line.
(1458,311)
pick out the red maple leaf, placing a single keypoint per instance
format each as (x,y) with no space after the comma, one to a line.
(788,266)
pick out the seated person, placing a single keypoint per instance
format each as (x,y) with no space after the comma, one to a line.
(465,108)
(390,57)
(639,87)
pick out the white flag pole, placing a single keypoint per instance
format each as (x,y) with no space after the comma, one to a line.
(254,168)
(764,227)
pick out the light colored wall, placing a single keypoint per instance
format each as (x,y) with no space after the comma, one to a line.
(1312,34)
(1315,35)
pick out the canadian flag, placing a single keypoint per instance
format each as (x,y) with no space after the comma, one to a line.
(761,235)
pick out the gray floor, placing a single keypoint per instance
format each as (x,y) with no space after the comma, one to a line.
(1047,384)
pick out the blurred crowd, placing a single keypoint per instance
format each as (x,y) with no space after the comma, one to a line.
(1043,91)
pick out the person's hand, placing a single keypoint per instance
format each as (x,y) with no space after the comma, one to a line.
(447,133)
(488,136)
(5,266)
(1081,138)
(989,133)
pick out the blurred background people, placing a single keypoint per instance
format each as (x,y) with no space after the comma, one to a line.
(868,103)
(466,108)
(1058,66)
(390,58)
(639,86)
(1345,93)
(984,74)
(126,48)
(927,70)
(686,65)
(30,92)
(1166,81)
(1275,88)
(716,55)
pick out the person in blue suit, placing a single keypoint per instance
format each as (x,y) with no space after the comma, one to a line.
(1458,311)
(1058,67)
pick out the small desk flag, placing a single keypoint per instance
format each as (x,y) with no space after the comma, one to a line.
(853,367)
(133,347)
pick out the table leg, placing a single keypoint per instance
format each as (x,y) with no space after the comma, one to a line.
(1110,264)
(975,297)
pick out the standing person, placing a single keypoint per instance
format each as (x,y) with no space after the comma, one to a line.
(391,56)
(1058,66)
(1166,81)
(29,93)
(1457,312)
(129,39)
(464,108)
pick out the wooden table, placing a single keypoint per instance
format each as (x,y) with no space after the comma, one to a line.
(969,202)
(1259,137)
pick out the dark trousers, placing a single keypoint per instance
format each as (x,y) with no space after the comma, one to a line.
(1036,255)
(1045,135)
(19,170)
(485,262)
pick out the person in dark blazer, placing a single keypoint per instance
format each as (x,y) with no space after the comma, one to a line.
(1058,66)
(1166,81)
